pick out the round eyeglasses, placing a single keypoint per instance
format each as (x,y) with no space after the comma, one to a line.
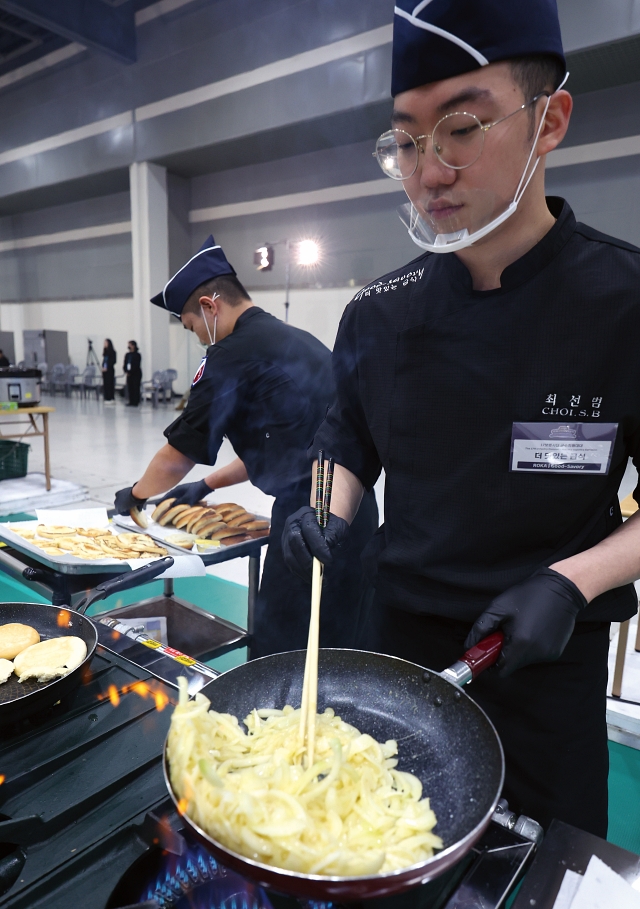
(457,140)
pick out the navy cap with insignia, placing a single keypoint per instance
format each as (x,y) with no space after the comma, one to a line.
(438,39)
(209,262)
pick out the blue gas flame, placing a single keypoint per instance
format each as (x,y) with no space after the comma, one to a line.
(196,880)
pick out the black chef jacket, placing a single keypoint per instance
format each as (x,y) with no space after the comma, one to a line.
(431,374)
(132,363)
(266,386)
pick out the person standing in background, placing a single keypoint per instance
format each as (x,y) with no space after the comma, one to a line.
(109,372)
(133,371)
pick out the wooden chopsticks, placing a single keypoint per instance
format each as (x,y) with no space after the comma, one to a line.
(309,707)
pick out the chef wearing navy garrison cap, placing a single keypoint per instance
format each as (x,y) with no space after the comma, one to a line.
(495,379)
(265,386)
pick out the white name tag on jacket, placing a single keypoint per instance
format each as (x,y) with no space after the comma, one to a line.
(562,447)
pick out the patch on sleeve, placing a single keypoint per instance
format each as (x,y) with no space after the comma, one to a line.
(199,372)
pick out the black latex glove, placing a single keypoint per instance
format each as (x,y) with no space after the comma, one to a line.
(125,500)
(188,493)
(303,538)
(537,617)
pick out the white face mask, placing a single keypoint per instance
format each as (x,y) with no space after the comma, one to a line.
(212,341)
(428,235)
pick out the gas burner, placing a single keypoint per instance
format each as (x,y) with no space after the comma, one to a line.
(179,873)
(192,880)
(196,880)
(70,835)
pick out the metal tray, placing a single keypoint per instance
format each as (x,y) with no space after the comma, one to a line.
(155,531)
(72,565)
(66,564)
(159,533)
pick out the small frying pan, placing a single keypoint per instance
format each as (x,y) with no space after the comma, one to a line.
(21,699)
(443,737)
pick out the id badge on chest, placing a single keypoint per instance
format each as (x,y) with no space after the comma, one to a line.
(562,447)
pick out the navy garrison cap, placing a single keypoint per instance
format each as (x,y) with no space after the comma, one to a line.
(209,262)
(438,39)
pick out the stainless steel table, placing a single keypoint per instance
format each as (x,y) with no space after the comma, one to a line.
(64,588)
(566,847)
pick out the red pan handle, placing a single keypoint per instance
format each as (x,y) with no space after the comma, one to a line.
(484,653)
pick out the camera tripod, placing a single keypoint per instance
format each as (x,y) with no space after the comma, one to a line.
(92,358)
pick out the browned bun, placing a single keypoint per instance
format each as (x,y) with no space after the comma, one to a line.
(229,509)
(139,517)
(209,526)
(233,541)
(241,519)
(163,506)
(196,518)
(205,520)
(230,515)
(172,514)
(225,532)
(183,519)
(256,525)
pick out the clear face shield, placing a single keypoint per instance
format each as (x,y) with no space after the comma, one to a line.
(451,222)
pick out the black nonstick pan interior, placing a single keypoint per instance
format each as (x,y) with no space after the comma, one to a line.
(19,699)
(443,737)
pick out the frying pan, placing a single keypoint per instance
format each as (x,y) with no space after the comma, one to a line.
(21,699)
(444,738)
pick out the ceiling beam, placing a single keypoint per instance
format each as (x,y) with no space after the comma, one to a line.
(604,65)
(110,29)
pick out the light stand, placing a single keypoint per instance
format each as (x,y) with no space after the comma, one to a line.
(287,282)
(307,254)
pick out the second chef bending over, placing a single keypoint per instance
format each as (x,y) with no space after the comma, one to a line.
(265,386)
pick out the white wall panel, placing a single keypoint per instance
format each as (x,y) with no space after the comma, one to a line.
(83,319)
(316,310)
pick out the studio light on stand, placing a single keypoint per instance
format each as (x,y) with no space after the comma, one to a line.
(264,257)
(306,254)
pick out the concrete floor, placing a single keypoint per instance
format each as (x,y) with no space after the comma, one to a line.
(623,714)
(107,448)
